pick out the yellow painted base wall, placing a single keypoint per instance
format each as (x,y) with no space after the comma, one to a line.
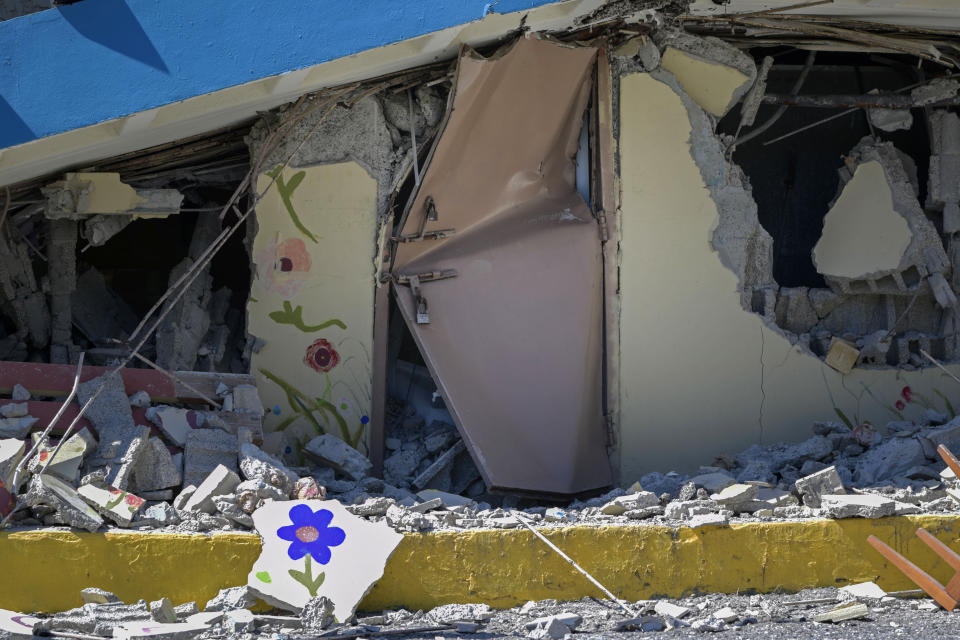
(700,375)
(45,570)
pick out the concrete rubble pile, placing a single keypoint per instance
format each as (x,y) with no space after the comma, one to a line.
(229,614)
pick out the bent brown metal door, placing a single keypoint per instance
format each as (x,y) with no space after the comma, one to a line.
(514,338)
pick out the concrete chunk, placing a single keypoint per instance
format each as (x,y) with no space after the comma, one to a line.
(665,608)
(857,505)
(11,452)
(337,454)
(256,464)
(162,611)
(156,470)
(92,595)
(71,509)
(118,505)
(849,612)
(817,484)
(175,423)
(635,501)
(220,481)
(205,450)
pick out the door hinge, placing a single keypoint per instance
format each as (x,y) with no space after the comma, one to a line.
(430,213)
(602,220)
(414,281)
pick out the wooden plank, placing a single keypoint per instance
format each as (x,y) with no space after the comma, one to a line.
(949,459)
(919,577)
(206,383)
(44,379)
(45,410)
(942,550)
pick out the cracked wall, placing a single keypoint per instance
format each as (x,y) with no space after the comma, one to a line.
(700,373)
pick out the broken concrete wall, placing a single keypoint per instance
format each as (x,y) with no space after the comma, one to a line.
(311,307)
(699,370)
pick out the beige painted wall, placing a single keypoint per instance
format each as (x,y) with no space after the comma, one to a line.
(699,375)
(712,85)
(324,268)
(862,233)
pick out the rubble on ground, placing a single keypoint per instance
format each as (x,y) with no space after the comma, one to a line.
(219,479)
(859,610)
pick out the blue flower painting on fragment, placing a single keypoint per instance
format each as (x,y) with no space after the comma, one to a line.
(310,536)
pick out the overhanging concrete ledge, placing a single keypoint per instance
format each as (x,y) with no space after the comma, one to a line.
(44,570)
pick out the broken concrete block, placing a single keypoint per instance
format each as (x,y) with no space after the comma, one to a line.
(175,423)
(20,393)
(736,496)
(256,464)
(861,591)
(220,481)
(842,355)
(11,452)
(231,598)
(161,515)
(631,502)
(713,482)
(162,611)
(16,427)
(308,541)
(936,90)
(713,73)
(848,612)
(159,630)
(71,508)
(205,450)
(118,505)
(92,595)
(317,614)
(237,621)
(227,506)
(184,496)
(889,459)
(337,454)
(15,410)
(121,441)
(66,465)
(140,399)
(665,608)
(708,520)
(444,461)
(890,119)
(448,499)
(857,505)
(553,629)
(246,399)
(16,626)
(155,470)
(817,484)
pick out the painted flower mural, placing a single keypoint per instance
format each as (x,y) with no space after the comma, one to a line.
(310,536)
(321,356)
(284,266)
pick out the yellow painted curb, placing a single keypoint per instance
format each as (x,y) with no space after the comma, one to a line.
(44,570)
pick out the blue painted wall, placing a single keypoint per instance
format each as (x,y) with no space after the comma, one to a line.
(96,60)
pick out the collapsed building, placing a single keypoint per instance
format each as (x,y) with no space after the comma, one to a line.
(589,246)
(561,263)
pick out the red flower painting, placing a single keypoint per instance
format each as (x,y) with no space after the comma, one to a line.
(284,266)
(321,356)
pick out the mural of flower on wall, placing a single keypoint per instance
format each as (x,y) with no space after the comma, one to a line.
(321,356)
(286,189)
(310,535)
(285,266)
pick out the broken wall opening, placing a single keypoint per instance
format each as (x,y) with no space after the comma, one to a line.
(886,309)
(86,254)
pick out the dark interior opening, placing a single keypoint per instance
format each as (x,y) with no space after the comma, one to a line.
(795,179)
